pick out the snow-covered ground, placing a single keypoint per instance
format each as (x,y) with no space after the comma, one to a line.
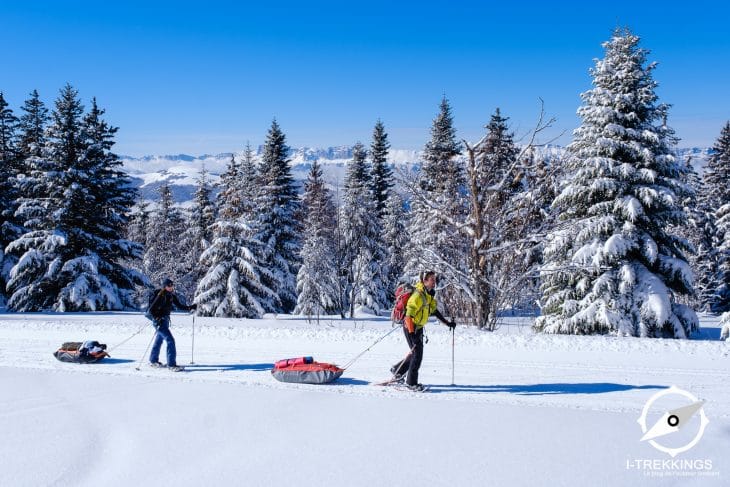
(524,409)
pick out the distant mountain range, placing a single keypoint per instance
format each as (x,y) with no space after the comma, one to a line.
(181,171)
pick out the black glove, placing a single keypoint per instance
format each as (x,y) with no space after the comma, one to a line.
(193,307)
(451,324)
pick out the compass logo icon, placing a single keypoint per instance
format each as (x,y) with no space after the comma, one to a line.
(673,420)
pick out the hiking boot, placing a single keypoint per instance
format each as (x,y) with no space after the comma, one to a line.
(156,365)
(176,368)
(416,387)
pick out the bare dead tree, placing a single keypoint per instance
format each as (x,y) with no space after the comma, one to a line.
(499,241)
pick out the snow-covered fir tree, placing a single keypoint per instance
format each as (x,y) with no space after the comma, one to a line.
(441,170)
(162,256)
(434,243)
(140,223)
(382,175)
(139,229)
(197,236)
(32,126)
(9,161)
(532,209)
(277,227)
(32,183)
(249,188)
(365,253)
(612,267)
(699,229)
(317,280)
(715,201)
(236,281)
(74,260)
(397,241)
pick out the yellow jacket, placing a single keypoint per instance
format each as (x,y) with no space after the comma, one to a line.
(420,306)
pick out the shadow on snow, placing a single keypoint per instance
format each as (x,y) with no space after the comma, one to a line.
(543,389)
(226,367)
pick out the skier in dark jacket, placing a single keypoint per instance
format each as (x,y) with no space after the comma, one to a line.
(159,312)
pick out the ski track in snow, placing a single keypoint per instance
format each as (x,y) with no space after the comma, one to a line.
(489,367)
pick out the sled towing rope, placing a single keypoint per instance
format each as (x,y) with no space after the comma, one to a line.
(371,346)
(305,370)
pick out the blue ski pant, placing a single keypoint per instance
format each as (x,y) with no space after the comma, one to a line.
(163,334)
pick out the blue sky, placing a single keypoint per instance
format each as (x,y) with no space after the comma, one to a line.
(205,77)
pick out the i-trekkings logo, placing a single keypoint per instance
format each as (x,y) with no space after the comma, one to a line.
(674,420)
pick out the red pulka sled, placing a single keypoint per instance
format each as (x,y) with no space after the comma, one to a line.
(304,370)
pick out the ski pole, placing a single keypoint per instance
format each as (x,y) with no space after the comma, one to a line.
(400,364)
(145,350)
(452,356)
(192,352)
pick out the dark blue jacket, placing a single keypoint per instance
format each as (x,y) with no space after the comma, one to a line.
(163,302)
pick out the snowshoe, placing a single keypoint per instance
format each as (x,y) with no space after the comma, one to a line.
(157,365)
(176,368)
(417,388)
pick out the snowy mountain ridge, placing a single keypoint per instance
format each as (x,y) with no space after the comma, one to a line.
(181,171)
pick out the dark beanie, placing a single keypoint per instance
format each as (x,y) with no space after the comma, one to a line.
(166,282)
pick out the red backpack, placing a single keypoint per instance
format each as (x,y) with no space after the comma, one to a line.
(402,293)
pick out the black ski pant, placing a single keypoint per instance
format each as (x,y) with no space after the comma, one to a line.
(413,360)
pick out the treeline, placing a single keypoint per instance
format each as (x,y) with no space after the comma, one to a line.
(616,235)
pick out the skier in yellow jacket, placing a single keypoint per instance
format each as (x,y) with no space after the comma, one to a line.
(421,305)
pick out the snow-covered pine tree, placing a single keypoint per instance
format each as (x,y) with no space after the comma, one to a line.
(98,277)
(699,229)
(9,161)
(441,170)
(139,227)
(277,226)
(249,187)
(397,241)
(613,267)
(31,184)
(722,301)
(33,126)
(715,199)
(382,175)
(73,261)
(164,250)
(138,230)
(197,236)
(433,242)
(31,181)
(363,247)
(235,283)
(317,286)
(533,207)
